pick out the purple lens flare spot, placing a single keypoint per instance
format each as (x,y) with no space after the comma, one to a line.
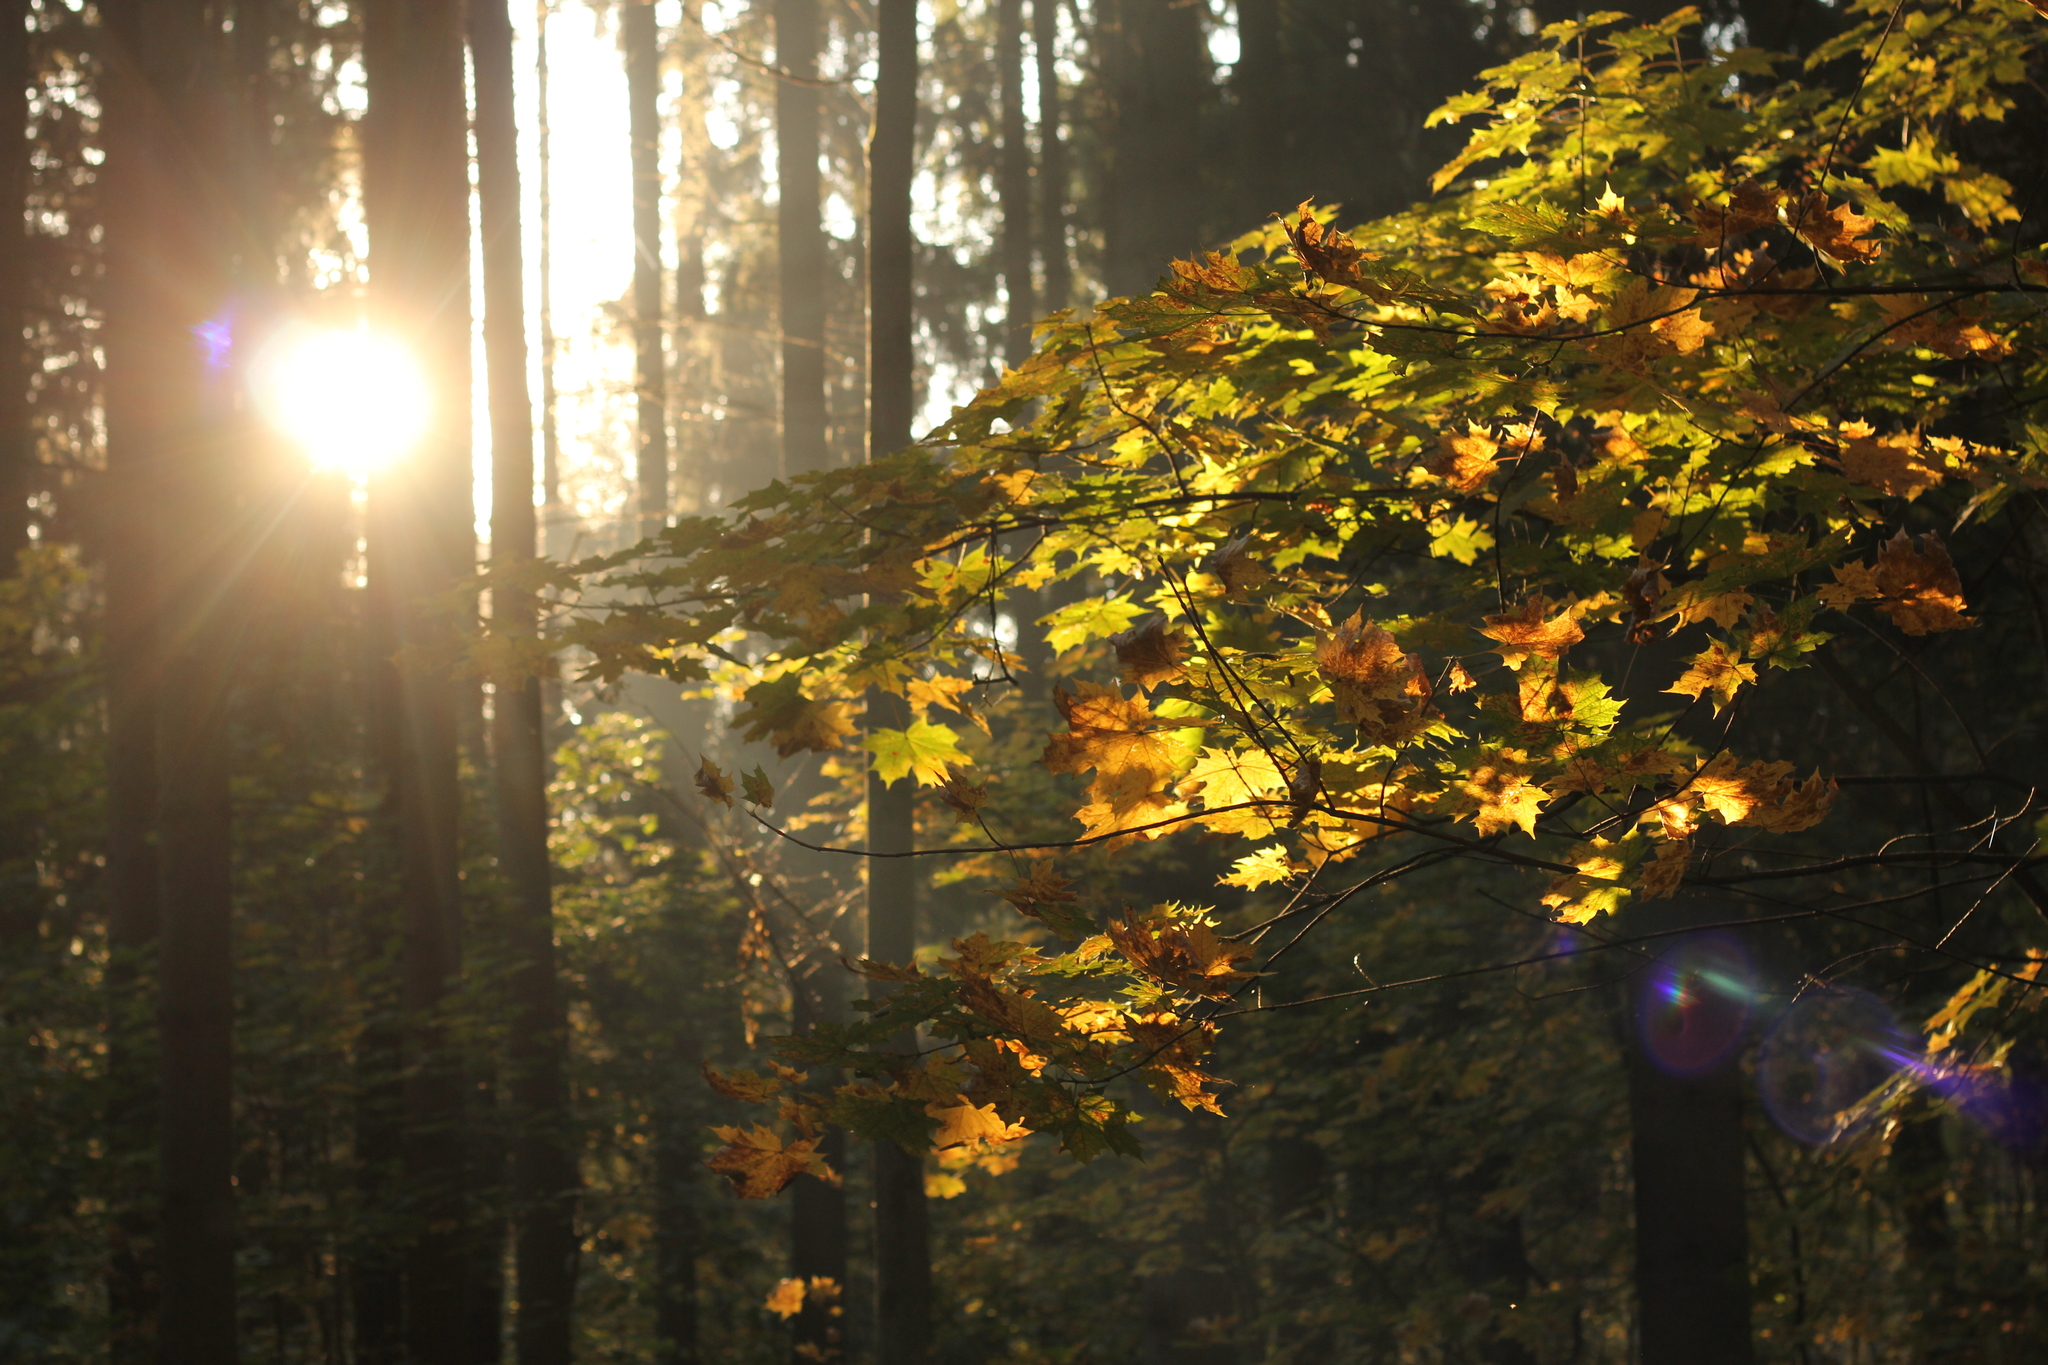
(1695,1003)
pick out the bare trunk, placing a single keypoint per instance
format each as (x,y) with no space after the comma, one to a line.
(1013,185)
(550,436)
(641,41)
(164,438)
(17,441)
(543,1162)
(902,1249)
(416,205)
(1052,159)
(800,240)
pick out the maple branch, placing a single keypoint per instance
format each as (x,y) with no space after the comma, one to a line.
(1910,750)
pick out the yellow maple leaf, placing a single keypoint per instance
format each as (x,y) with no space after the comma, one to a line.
(1229,777)
(1464,460)
(786,1299)
(1718,669)
(1499,785)
(967,1122)
(1132,754)
(1256,869)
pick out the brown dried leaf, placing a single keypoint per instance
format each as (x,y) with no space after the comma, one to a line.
(759,1166)
(1836,233)
(1920,589)
(1149,653)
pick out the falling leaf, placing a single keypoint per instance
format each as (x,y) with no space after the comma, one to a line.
(1149,653)
(757,788)
(1458,680)
(759,1165)
(713,783)
(924,750)
(1527,631)
(1718,669)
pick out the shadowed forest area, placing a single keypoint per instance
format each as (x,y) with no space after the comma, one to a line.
(1196,682)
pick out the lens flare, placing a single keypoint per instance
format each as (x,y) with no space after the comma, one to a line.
(354,401)
(1829,1053)
(1695,1005)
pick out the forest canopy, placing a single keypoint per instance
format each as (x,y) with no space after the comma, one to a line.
(1210,684)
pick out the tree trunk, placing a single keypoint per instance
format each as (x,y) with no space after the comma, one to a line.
(1052,159)
(1260,83)
(902,1251)
(416,206)
(641,41)
(1156,73)
(1691,1213)
(550,434)
(164,441)
(1013,185)
(801,240)
(17,438)
(678,1231)
(543,1161)
(818,1240)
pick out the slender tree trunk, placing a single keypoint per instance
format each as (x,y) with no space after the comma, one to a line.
(1052,159)
(17,438)
(543,1162)
(1013,185)
(416,205)
(550,434)
(1692,1220)
(818,1243)
(641,40)
(164,445)
(800,239)
(902,1250)
(1260,82)
(678,1230)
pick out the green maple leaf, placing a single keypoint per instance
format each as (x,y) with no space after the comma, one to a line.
(756,787)
(924,750)
(1093,618)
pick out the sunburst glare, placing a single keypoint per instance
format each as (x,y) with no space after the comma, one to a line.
(351,399)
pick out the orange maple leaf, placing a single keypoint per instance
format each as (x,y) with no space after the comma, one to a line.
(1528,630)
(759,1165)
(1464,460)
(1836,233)
(1503,793)
(1920,589)
(1149,653)
(1133,755)
(1752,206)
(1184,953)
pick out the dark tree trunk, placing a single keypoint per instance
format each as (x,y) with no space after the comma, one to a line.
(902,1250)
(1692,1218)
(543,1162)
(416,206)
(1260,82)
(1052,159)
(164,439)
(17,439)
(642,44)
(800,239)
(678,1231)
(818,1239)
(1013,185)
(1156,73)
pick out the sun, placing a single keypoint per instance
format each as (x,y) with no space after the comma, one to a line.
(351,399)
